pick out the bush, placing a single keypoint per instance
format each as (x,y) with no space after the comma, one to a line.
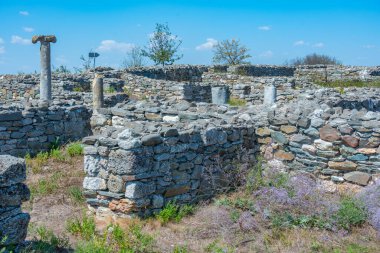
(351,213)
(74,149)
(174,212)
(315,59)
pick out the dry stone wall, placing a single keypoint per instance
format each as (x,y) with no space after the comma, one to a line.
(13,222)
(144,155)
(33,129)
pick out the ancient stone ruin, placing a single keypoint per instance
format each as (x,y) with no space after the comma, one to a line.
(163,134)
(13,222)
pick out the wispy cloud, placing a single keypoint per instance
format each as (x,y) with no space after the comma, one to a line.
(264,28)
(299,43)
(61,59)
(19,40)
(28,29)
(2,49)
(208,45)
(369,46)
(319,45)
(112,45)
(1,41)
(24,13)
(266,54)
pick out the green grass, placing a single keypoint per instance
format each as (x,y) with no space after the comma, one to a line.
(78,89)
(237,102)
(174,212)
(351,213)
(76,194)
(180,249)
(349,83)
(74,149)
(57,155)
(110,90)
(44,186)
(84,227)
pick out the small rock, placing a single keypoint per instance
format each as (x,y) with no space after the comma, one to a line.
(357,177)
(347,165)
(350,141)
(247,222)
(328,133)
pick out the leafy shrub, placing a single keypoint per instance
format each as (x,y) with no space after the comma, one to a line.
(74,149)
(315,59)
(351,212)
(174,212)
(370,197)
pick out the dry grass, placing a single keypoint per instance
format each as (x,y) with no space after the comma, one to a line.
(212,227)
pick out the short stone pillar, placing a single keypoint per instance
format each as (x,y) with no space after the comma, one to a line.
(270,94)
(97,92)
(13,222)
(45,78)
(220,95)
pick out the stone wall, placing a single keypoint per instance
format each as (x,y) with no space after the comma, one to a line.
(13,222)
(179,73)
(336,142)
(142,156)
(337,72)
(33,129)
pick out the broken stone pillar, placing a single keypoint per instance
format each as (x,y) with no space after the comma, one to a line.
(45,78)
(97,92)
(13,222)
(270,93)
(220,95)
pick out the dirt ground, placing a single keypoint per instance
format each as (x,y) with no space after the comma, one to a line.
(209,229)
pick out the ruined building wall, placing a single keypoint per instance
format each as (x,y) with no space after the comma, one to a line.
(33,129)
(134,167)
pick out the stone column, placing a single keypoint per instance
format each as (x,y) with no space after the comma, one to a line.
(270,93)
(45,78)
(220,95)
(97,92)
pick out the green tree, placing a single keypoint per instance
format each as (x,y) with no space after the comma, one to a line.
(134,58)
(314,59)
(163,46)
(230,52)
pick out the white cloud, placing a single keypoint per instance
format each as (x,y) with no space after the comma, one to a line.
(319,45)
(209,44)
(299,43)
(2,50)
(266,54)
(112,45)
(264,28)
(369,46)
(28,29)
(24,13)
(19,40)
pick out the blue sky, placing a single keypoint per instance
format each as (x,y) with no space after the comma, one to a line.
(273,30)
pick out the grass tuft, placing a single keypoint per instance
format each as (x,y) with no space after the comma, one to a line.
(174,212)
(74,149)
(237,102)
